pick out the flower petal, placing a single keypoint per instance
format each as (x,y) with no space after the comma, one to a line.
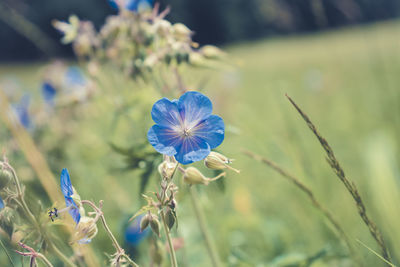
(74,210)
(165,113)
(194,107)
(211,130)
(164,139)
(48,93)
(84,241)
(65,182)
(192,149)
(1,203)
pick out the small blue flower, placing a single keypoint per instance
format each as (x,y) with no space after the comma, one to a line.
(21,110)
(68,191)
(133,235)
(75,77)
(48,93)
(1,204)
(131,5)
(185,128)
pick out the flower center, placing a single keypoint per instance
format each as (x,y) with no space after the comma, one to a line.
(186,132)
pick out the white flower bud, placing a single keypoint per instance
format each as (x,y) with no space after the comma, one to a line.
(217,161)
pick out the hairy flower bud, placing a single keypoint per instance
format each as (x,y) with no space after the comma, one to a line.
(7,220)
(144,223)
(5,177)
(217,161)
(212,52)
(166,169)
(155,225)
(86,230)
(194,176)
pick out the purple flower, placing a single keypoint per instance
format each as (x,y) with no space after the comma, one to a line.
(185,128)
(68,192)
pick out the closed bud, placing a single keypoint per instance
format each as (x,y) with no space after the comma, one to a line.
(170,218)
(5,177)
(86,230)
(166,169)
(163,27)
(217,161)
(155,225)
(194,176)
(7,220)
(181,32)
(144,223)
(212,52)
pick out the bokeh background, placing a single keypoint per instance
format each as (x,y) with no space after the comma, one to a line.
(339,60)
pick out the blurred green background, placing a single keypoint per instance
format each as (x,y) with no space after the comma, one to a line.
(346,80)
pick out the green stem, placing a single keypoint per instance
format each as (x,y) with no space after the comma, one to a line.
(45,260)
(60,255)
(174,262)
(8,255)
(211,248)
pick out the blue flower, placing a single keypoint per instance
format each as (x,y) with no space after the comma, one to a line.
(48,93)
(185,128)
(1,204)
(75,77)
(21,110)
(131,5)
(68,192)
(133,235)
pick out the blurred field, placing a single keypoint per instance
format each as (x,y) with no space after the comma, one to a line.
(346,81)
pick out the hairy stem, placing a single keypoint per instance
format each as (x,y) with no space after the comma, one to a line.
(211,248)
(100,214)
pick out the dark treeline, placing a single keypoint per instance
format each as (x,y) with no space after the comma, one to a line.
(214,21)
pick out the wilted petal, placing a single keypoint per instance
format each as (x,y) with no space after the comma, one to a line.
(65,182)
(211,130)
(194,107)
(191,150)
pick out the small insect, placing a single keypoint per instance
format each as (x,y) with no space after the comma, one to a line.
(53,214)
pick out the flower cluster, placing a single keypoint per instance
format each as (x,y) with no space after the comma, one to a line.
(137,39)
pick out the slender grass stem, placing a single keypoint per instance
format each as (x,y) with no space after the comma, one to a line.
(61,255)
(120,251)
(211,248)
(8,255)
(312,198)
(350,186)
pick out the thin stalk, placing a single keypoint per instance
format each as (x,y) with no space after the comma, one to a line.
(211,248)
(174,262)
(45,260)
(100,214)
(350,185)
(61,255)
(8,255)
(312,198)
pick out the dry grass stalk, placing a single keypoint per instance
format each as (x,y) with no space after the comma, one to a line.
(350,186)
(311,196)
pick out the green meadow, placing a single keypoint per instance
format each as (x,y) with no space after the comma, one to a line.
(346,81)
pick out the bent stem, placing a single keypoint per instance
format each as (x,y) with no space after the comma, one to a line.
(211,248)
(99,214)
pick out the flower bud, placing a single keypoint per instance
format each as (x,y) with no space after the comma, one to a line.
(181,32)
(194,176)
(166,169)
(217,161)
(170,218)
(86,230)
(145,222)
(212,52)
(155,225)
(7,220)
(5,177)
(163,27)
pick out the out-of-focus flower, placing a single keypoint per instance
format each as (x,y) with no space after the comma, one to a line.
(131,5)
(185,128)
(1,204)
(69,29)
(21,110)
(70,196)
(74,77)
(133,234)
(48,93)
